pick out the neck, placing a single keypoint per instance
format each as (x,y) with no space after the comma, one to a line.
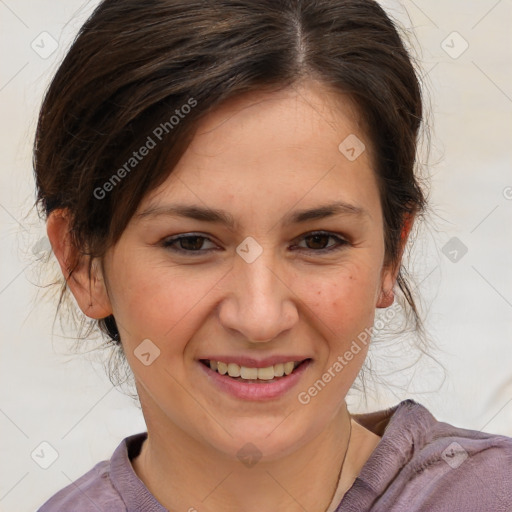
(184,474)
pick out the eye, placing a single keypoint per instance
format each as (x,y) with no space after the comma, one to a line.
(189,244)
(318,242)
(194,244)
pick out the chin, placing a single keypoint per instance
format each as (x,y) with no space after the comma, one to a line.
(259,440)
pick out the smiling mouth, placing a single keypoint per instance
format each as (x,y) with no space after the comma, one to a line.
(253,375)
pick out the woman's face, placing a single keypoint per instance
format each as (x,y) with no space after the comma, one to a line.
(259,286)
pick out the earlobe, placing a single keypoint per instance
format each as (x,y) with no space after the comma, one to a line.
(386,299)
(84,278)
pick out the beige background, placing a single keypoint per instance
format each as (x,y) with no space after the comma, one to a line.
(66,401)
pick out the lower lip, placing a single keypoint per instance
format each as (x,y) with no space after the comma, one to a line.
(253,390)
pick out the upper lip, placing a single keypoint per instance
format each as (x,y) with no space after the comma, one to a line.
(251,362)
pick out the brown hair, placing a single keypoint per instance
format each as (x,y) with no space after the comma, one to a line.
(136,64)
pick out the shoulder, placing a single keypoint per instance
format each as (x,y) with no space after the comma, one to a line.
(109,486)
(91,492)
(466,467)
(453,468)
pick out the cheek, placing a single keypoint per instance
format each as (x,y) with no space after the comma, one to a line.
(344,310)
(162,302)
(344,303)
(157,301)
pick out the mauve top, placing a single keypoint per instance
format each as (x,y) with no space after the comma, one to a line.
(420,464)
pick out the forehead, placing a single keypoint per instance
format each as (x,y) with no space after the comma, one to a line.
(269,149)
(289,118)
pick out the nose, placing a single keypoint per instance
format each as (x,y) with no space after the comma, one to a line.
(260,306)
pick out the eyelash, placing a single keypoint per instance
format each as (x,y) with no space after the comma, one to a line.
(170,243)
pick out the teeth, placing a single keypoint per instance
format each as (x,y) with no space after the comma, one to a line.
(244,372)
(288,367)
(279,370)
(248,373)
(266,373)
(233,370)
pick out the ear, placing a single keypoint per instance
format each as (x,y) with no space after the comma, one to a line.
(88,288)
(390,273)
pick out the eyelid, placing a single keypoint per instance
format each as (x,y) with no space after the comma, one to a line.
(341,241)
(169,242)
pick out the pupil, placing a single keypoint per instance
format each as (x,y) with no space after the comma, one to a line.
(189,241)
(317,239)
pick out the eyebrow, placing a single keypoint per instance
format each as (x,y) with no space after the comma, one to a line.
(222,217)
